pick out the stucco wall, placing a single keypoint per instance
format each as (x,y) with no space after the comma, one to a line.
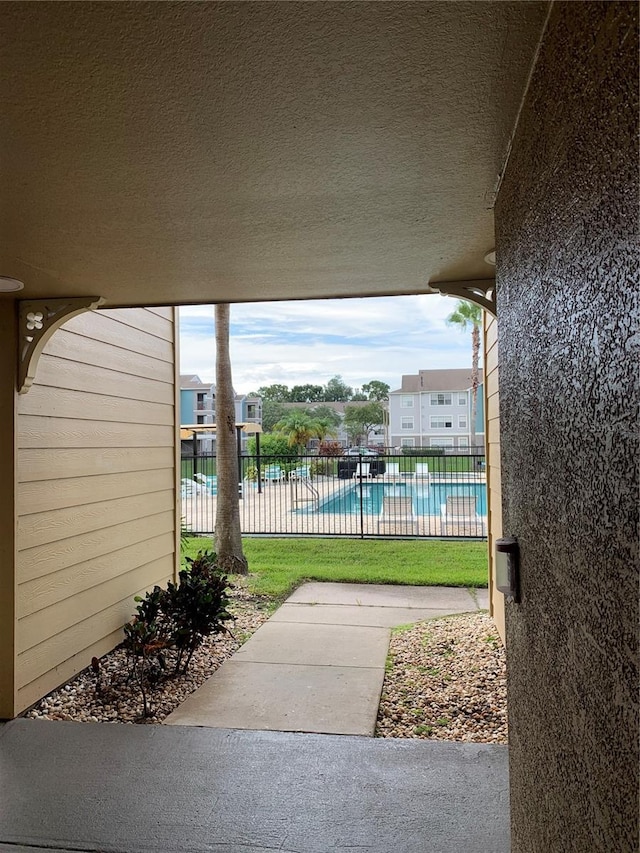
(96,517)
(566,222)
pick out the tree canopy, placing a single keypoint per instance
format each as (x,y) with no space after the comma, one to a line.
(299,429)
(337,390)
(306,394)
(359,420)
(376,390)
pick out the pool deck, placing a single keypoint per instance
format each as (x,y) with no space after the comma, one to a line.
(287,508)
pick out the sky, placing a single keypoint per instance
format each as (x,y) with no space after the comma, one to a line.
(295,343)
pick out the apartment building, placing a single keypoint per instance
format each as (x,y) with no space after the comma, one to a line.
(435,408)
(198,407)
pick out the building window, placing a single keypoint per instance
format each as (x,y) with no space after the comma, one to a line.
(462,399)
(441,423)
(408,442)
(200,419)
(463,442)
(441,399)
(406,423)
(441,442)
(406,402)
(462,421)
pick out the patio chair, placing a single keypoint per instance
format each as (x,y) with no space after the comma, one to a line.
(208,481)
(392,472)
(459,516)
(190,488)
(302,472)
(273,474)
(397,513)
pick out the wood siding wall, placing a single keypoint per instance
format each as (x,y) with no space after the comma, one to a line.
(494,488)
(96,501)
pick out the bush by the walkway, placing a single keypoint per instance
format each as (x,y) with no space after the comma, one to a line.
(171,624)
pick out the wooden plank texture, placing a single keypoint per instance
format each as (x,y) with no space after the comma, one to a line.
(40,626)
(141,318)
(66,432)
(79,491)
(99,327)
(53,525)
(39,593)
(55,372)
(58,648)
(52,557)
(70,462)
(81,350)
(66,405)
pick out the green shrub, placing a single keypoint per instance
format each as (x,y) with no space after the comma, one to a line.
(423,451)
(176,620)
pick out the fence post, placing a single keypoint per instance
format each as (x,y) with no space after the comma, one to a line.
(359,470)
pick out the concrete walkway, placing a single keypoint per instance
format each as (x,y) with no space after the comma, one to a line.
(318,664)
(172,789)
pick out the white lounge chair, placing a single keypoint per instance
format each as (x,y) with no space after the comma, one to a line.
(459,516)
(189,488)
(422,469)
(397,515)
(392,472)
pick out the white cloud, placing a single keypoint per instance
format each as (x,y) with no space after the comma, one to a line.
(299,342)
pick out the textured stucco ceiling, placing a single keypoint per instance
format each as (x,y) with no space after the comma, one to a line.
(192,152)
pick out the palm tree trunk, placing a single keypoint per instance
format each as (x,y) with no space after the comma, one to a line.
(475,357)
(228,538)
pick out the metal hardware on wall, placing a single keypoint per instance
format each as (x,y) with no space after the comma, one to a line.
(508,568)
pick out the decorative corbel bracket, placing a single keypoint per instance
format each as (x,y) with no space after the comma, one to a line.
(37,321)
(480,292)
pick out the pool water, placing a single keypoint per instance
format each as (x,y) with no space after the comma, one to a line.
(427,498)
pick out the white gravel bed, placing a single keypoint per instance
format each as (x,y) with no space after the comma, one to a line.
(445,680)
(114,697)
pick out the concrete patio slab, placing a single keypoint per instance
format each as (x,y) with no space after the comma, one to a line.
(284,697)
(447,598)
(345,614)
(155,789)
(316,644)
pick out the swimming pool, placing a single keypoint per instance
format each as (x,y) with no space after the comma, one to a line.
(427,497)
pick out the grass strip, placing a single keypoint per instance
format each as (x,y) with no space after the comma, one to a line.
(278,566)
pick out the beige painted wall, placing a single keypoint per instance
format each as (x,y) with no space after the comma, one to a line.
(96,499)
(494,481)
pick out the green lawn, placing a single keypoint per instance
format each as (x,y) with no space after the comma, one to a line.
(278,566)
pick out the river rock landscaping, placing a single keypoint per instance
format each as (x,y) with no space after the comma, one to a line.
(445,680)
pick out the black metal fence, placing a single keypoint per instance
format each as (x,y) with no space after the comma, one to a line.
(434,494)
